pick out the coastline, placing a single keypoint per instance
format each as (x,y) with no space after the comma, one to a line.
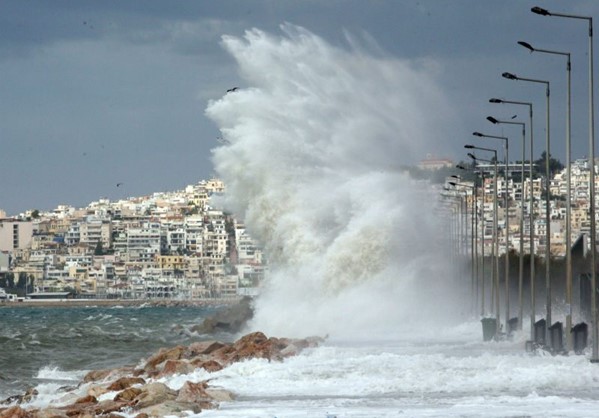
(63,303)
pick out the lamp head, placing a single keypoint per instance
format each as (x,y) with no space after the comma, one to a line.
(477,134)
(526,45)
(453,183)
(495,100)
(469,146)
(540,11)
(454,176)
(492,120)
(471,156)
(461,167)
(509,76)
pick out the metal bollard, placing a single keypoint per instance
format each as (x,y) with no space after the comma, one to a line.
(539,333)
(489,328)
(579,338)
(556,338)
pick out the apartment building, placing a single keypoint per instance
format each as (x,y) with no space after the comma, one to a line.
(15,234)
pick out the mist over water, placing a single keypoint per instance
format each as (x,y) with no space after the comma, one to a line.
(314,145)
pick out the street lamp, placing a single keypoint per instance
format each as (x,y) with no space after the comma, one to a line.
(495,235)
(530,212)
(595,337)
(568,187)
(455,230)
(473,226)
(507,226)
(521,256)
(510,76)
(479,273)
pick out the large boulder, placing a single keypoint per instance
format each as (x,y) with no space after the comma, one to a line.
(203,348)
(196,393)
(210,366)
(175,353)
(153,394)
(15,412)
(176,367)
(171,408)
(125,382)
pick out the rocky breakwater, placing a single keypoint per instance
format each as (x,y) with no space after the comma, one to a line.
(137,391)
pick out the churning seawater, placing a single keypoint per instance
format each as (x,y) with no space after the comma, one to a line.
(40,344)
(423,372)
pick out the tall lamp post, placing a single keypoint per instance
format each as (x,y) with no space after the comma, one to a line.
(547,200)
(479,272)
(473,226)
(530,211)
(568,187)
(495,235)
(521,255)
(544,12)
(507,225)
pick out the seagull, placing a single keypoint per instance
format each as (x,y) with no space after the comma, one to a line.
(231,90)
(514,117)
(119,184)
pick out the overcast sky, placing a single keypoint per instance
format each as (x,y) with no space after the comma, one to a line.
(95,93)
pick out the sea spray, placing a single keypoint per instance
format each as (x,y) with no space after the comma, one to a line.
(312,156)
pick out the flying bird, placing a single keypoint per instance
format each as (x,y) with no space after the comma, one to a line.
(231,90)
(514,117)
(119,184)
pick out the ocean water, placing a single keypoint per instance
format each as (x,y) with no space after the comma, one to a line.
(41,345)
(445,373)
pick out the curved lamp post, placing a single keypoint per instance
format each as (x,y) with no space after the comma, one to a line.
(595,337)
(495,235)
(510,76)
(530,211)
(568,186)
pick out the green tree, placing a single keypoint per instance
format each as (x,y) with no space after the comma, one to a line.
(35,214)
(554,164)
(99,250)
(22,282)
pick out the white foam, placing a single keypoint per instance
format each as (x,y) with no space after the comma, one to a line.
(312,164)
(442,379)
(55,373)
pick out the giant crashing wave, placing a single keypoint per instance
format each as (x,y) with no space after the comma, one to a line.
(311,162)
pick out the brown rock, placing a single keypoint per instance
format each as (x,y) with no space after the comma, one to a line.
(96,375)
(223,354)
(127,395)
(125,382)
(162,355)
(108,406)
(142,415)
(15,412)
(171,408)
(203,347)
(50,413)
(220,395)
(193,392)
(87,399)
(254,345)
(176,367)
(210,366)
(153,394)
(97,390)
